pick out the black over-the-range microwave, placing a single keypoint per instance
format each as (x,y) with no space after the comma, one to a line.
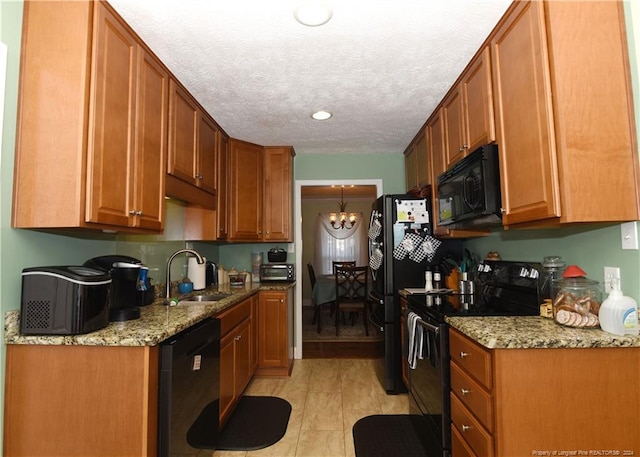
(469,193)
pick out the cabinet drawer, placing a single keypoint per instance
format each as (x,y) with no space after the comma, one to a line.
(459,447)
(472,357)
(480,441)
(472,395)
(232,316)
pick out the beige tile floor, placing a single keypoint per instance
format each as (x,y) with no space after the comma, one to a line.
(327,397)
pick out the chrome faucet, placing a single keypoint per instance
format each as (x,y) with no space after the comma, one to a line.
(168,278)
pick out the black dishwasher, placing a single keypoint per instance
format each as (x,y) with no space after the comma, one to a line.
(189,391)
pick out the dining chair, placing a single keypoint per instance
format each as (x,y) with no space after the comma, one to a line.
(351,294)
(317,307)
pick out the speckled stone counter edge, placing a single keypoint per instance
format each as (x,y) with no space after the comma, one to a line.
(157,322)
(534,332)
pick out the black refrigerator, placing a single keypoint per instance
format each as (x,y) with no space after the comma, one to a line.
(401,248)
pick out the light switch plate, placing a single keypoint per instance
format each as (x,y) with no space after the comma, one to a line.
(629,234)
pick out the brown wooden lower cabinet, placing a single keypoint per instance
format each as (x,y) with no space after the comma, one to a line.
(66,400)
(55,405)
(236,368)
(275,327)
(518,402)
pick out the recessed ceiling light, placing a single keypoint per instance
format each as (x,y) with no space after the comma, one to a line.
(321,115)
(313,12)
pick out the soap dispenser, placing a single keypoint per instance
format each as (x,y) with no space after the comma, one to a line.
(619,314)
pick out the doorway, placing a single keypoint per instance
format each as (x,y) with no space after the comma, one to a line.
(313,192)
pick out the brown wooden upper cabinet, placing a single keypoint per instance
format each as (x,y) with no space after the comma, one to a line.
(192,141)
(468,110)
(564,117)
(411,167)
(278,181)
(92,122)
(245,191)
(259,200)
(417,162)
(564,127)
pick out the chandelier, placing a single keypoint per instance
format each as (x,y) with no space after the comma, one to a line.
(341,220)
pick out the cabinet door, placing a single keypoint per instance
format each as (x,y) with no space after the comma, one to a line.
(222,169)
(206,177)
(410,167)
(183,124)
(245,191)
(112,113)
(255,303)
(244,368)
(423,163)
(435,128)
(277,194)
(151,143)
(455,127)
(478,93)
(524,124)
(227,377)
(272,329)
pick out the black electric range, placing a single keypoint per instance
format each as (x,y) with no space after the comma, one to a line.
(501,288)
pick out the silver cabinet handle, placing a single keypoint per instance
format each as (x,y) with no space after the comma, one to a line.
(464,391)
(138,213)
(463,355)
(238,337)
(132,212)
(465,428)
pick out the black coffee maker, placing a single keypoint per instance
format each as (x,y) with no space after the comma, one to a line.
(124,297)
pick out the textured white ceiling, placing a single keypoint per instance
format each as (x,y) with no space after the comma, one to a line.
(380,66)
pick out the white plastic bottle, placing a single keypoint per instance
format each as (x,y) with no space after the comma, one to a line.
(619,314)
(428,283)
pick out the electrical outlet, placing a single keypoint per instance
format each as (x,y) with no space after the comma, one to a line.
(629,235)
(609,274)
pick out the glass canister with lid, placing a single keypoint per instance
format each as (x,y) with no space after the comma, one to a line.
(577,299)
(552,267)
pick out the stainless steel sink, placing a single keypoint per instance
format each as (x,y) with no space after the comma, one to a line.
(204,298)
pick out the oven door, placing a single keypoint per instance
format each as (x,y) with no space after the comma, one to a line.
(429,382)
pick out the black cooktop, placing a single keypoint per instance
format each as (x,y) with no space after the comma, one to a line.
(502,288)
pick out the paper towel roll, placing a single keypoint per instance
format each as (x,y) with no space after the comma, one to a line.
(197,273)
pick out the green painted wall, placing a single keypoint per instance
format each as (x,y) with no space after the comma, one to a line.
(388,167)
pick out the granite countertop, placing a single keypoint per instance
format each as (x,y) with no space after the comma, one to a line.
(157,321)
(534,332)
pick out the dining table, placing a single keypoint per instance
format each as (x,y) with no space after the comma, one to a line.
(324,290)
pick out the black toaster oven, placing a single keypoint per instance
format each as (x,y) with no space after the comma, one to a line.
(277,272)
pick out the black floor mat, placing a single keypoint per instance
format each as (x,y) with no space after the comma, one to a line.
(386,435)
(257,422)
